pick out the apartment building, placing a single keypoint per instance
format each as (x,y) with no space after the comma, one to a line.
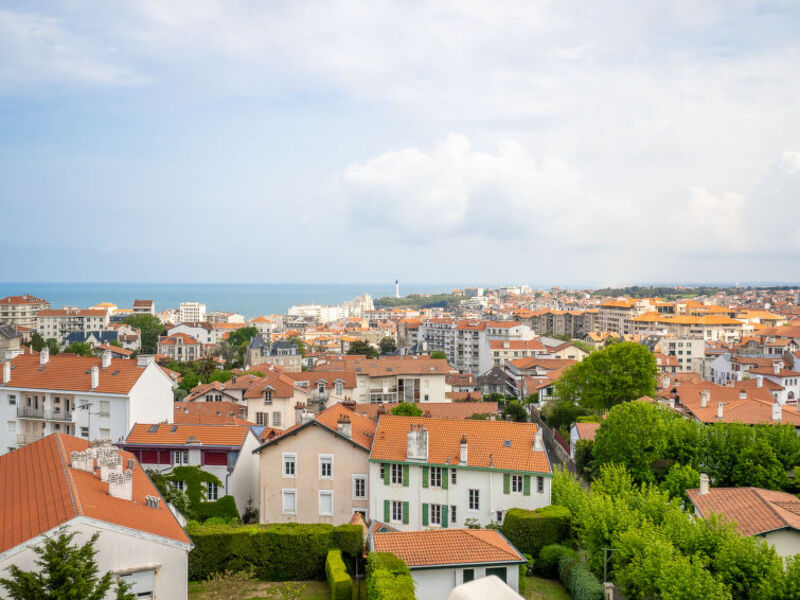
(59,323)
(144,307)
(181,347)
(616,315)
(434,473)
(21,311)
(716,328)
(504,351)
(684,349)
(191,312)
(91,398)
(574,323)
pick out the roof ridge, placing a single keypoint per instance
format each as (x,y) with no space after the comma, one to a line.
(73,489)
(770,506)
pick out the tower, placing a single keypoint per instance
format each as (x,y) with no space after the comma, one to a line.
(396,288)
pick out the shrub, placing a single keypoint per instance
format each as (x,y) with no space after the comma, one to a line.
(338,580)
(530,530)
(224,508)
(565,566)
(388,578)
(547,563)
(215,521)
(583,585)
(349,539)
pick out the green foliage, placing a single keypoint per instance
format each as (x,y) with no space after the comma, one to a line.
(66,571)
(438,354)
(349,539)
(546,565)
(278,552)
(514,411)
(338,580)
(530,530)
(387,345)
(363,348)
(560,412)
(37,342)
(388,578)
(407,409)
(80,348)
(150,328)
(228,585)
(52,346)
(679,479)
(301,345)
(417,301)
(224,508)
(115,343)
(584,458)
(582,584)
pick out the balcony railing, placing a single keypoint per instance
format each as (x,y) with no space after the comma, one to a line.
(29,412)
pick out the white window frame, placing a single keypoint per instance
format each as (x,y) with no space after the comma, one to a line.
(396,504)
(180,457)
(435,513)
(436,477)
(396,469)
(321,458)
(477,499)
(276,419)
(517,484)
(212,491)
(320,495)
(453,477)
(284,462)
(286,492)
(360,478)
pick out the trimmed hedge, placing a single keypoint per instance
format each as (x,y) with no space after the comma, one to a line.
(224,508)
(278,552)
(338,580)
(349,539)
(549,556)
(530,530)
(388,578)
(580,582)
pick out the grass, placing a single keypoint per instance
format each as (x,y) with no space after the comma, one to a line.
(539,588)
(270,590)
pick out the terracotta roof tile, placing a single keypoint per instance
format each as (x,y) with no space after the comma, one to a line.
(755,510)
(447,547)
(181,434)
(443,410)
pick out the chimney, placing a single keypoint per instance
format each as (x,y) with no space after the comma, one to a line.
(110,463)
(44,356)
(705,395)
(463,458)
(105,360)
(417,443)
(777,412)
(760,380)
(83,461)
(720,409)
(705,486)
(742,394)
(144,359)
(349,404)
(344,426)
(381,409)
(538,442)
(6,371)
(95,377)
(671,402)
(152,501)
(120,485)
(776,367)
(298,413)
(738,375)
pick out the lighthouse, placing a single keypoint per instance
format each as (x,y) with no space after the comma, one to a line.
(396,288)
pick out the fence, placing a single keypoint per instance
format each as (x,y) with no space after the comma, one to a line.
(557,447)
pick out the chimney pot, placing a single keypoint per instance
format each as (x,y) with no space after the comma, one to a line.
(44,356)
(760,380)
(720,409)
(120,485)
(95,377)
(705,486)
(776,367)
(106,359)
(777,412)
(344,425)
(705,396)
(742,395)
(6,371)
(538,442)
(463,457)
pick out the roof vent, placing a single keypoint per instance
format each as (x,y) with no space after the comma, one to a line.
(174,428)
(152,429)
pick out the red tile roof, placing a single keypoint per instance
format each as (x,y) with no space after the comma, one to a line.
(362,429)
(755,510)
(441,547)
(282,385)
(587,431)
(71,312)
(443,410)
(182,434)
(24,299)
(755,408)
(47,492)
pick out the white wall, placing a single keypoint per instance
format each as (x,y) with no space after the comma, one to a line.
(435,584)
(151,398)
(786,541)
(243,481)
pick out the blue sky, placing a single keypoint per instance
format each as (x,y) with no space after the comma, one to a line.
(547,142)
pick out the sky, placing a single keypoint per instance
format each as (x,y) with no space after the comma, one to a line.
(550,143)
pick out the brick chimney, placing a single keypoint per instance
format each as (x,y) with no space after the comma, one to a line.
(349,403)
(463,457)
(344,426)
(105,360)
(6,371)
(417,443)
(120,485)
(95,377)
(44,356)
(705,485)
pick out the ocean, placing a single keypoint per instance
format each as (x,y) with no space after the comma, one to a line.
(249,299)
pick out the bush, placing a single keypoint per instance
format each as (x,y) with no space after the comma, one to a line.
(530,530)
(583,585)
(338,580)
(349,539)
(549,556)
(388,578)
(565,566)
(224,508)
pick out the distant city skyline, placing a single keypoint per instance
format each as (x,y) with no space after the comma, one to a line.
(590,144)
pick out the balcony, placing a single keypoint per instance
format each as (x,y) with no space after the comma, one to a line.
(27,438)
(29,412)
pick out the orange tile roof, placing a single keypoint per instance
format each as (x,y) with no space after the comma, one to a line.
(282,385)
(210,412)
(755,510)
(180,434)
(70,372)
(362,429)
(587,431)
(47,492)
(64,312)
(533,344)
(442,547)
(115,349)
(441,410)
(546,363)
(486,443)
(394,365)
(24,299)
(755,408)
(348,378)
(171,340)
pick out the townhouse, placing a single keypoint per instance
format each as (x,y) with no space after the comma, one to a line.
(21,311)
(326,388)
(275,400)
(504,351)
(62,481)
(786,379)
(437,473)
(89,397)
(283,354)
(59,323)
(181,347)
(199,330)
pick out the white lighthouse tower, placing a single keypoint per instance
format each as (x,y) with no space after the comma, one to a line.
(396,288)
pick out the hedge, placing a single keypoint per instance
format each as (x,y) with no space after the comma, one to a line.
(530,530)
(338,580)
(580,582)
(349,539)
(224,508)
(547,563)
(388,578)
(278,552)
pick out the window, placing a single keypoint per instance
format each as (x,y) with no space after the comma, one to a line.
(267,396)
(85,432)
(178,485)
(397,510)
(383,472)
(289,498)
(469,575)
(276,419)
(326,466)
(516,483)
(105,408)
(436,514)
(397,474)
(452,513)
(453,476)
(474,500)
(499,516)
(540,484)
(12,426)
(436,477)
(321,387)
(142,584)
(212,491)
(326,503)
(359,487)
(339,388)
(180,457)
(262,418)
(498,571)
(12,399)
(290,465)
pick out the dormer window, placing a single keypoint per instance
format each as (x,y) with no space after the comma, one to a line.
(267,396)
(321,387)
(339,388)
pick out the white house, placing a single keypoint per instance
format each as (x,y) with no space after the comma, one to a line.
(581,431)
(436,473)
(442,559)
(89,397)
(788,380)
(65,482)
(225,451)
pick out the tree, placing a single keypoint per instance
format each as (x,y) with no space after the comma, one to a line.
(407,409)
(52,346)
(620,373)
(438,354)
(679,479)
(363,348)
(150,327)
(67,571)
(80,348)
(115,343)
(37,342)
(301,345)
(514,411)
(388,345)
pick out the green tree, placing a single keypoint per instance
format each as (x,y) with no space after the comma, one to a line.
(80,348)
(37,342)
(52,346)
(301,345)
(679,479)
(150,327)
(438,354)
(514,411)
(387,345)
(363,348)
(66,571)
(620,373)
(407,409)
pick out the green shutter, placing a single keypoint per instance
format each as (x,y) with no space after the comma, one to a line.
(386,515)
(405,513)
(424,476)
(424,513)
(526,485)
(506,483)
(445,475)
(405,475)
(386,468)
(444,515)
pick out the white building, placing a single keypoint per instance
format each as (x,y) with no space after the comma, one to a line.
(91,398)
(436,473)
(59,323)
(192,312)
(63,481)
(21,311)
(201,331)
